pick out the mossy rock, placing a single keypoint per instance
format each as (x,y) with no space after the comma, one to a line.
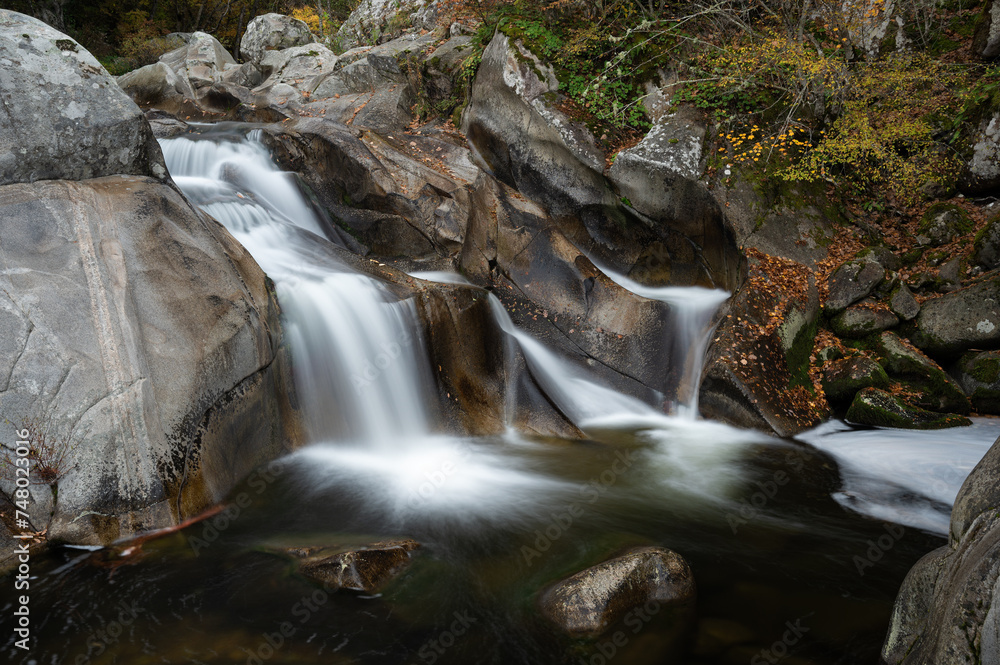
(878,408)
(978,372)
(904,362)
(842,379)
(942,223)
(859,322)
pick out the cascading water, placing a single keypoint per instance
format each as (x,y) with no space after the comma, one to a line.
(356,368)
(692,309)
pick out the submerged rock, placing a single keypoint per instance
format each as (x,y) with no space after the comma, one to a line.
(876,407)
(592,601)
(948,608)
(61,114)
(368,568)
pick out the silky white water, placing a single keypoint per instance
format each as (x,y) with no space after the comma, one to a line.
(362,376)
(692,309)
(353,343)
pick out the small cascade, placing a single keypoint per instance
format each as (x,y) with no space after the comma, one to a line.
(692,309)
(359,370)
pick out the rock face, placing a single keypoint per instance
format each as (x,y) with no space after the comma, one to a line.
(843,378)
(987,247)
(986,40)
(981,174)
(270,32)
(61,114)
(148,337)
(965,319)
(590,602)
(947,608)
(372,19)
(136,329)
(756,370)
(524,142)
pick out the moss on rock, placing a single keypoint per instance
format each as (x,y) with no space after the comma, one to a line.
(876,407)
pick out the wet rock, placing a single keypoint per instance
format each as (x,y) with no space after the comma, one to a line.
(978,372)
(946,610)
(902,303)
(369,568)
(272,32)
(590,602)
(851,282)
(987,247)
(173,365)
(986,39)
(862,320)
(393,201)
(878,408)
(937,391)
(62,115)
(981,174)
(756,369)
(842,379)
(942,223)
(965,319)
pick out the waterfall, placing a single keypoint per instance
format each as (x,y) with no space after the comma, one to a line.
(356,369)
(692,309)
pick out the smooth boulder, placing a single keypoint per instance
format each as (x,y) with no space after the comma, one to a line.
(968,318)
(272,32)
(61,114)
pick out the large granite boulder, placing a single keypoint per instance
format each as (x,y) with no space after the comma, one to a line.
(948,608)
(61,114)
(147,338)
(137,333)
(526,142)
(272,32)
(965,319)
